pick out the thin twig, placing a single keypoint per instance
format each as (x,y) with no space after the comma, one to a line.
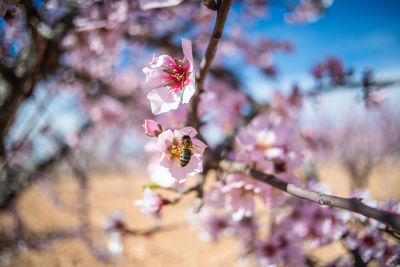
(350,204)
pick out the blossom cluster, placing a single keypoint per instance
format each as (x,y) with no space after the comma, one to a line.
(270,142)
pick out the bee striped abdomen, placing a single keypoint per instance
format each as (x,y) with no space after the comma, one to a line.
(184,159)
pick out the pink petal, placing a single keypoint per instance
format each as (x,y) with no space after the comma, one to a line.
(152,128)
(165,140)
(200,145)
(178,172)
(161,175)
(188,93)
(192,132)
(187,50)
(154,77)
(161,101)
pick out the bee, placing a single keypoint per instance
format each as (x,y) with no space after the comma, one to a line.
(186,150)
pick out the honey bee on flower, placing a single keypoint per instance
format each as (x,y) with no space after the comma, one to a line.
(175,155)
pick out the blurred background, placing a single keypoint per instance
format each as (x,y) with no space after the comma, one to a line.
(73,101)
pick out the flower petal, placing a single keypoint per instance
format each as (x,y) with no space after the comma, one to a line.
(164,140)
(152,128)
(192,132)
(154,77)
(161,101)
(187,50)
(188,93)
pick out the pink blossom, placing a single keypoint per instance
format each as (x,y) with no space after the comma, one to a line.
(318,70)
(389,255)
(335,70)
(150,4)
(214,197)
(268,147)
(285,107)
(332,67)
(168,145)
(369,244)
(309,221)
(174,80)
(282,247)
(239,199)
(151,203)
(226,103)
(245,230)
(115,245)
(152,128)
(307,11)
(239,192)
(210,224)
(107,109)
(113,221)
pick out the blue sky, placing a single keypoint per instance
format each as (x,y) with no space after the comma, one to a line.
(362,33)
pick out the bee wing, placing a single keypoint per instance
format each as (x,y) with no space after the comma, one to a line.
(197,148)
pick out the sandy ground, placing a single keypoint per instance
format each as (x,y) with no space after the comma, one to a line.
(179,246)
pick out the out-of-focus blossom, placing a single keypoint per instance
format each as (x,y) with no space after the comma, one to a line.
(169,147)
(270,148)
(227,104)
(112,225)
(114,245)
(369,244)
(174,80)
(389,256)
(151,203)
(152,128)
(318,70)
(239,195)
(107,109)
(342,261)
(282,247)
(376,98)
(210,224)
(285,108)
(175,118)
(308,11)
(333,68)
(113,221)
(150,4)
(245,230)
(311,222)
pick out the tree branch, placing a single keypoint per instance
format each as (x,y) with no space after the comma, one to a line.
(349,86)
(350,204)
(205,64)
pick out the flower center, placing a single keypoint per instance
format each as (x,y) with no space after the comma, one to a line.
(178,76)
(174,150)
